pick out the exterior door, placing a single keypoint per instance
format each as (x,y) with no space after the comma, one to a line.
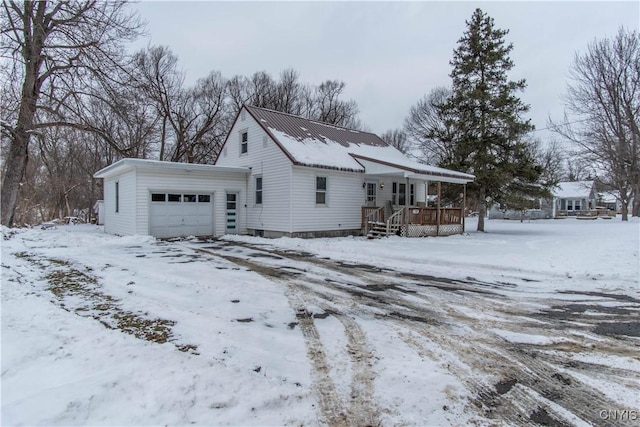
(232,213)
(371,193)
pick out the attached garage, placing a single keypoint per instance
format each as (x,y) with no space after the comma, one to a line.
(166,199)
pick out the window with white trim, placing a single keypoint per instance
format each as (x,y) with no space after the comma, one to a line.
(399,194)
(321,190)
(258,190)
(244,142)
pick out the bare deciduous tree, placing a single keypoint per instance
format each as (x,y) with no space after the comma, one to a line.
(551,157)
(396,138)
(55,47)
(604,95)
(329,108)
(427,128)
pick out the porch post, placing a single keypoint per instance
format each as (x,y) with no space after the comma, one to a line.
(464,203)
(407,196)
(438,209)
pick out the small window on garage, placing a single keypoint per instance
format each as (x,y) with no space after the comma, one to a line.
(189,198)
(158,197)
(174,197)
(117,197)
(204,198)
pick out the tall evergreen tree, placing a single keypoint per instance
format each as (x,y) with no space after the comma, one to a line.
(486,118)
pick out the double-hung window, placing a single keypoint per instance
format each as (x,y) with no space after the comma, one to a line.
(258,190)
(321,190)
(244,142)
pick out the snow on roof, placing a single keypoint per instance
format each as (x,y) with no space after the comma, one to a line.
(130,163)
(573,190)
(311,143)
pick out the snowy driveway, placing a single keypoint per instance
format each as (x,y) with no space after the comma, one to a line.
(517,357)
(100,329)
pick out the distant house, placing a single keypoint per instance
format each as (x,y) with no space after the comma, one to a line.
(574,198)
(281,175)
(98,212)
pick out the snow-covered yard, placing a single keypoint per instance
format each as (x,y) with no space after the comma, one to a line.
(530,322)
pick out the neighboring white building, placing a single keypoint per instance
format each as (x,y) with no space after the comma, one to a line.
(277,175)
(574,198)
(98,212)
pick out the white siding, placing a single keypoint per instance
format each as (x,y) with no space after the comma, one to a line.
(121,222)
(345,197)
(167,180)
(268,161)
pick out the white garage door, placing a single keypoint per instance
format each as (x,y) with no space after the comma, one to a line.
(174,214)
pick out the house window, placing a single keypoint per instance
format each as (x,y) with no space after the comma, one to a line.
(204,198)
(117,196)
(258,190)
(412,195)
(158,197)
(189,198)
(175,197)
(399,193)
(244,142)
(321,190)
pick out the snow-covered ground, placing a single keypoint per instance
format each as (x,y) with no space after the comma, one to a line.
(563,254)
(106,330)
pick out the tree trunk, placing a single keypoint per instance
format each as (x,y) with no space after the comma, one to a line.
(16,164)
(625,210)
(482,208)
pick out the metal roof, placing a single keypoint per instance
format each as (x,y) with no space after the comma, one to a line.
(301,128)
(315,144)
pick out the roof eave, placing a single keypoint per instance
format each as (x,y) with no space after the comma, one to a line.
(408,172)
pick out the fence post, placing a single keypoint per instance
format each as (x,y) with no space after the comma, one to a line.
(464,203)
(438,213)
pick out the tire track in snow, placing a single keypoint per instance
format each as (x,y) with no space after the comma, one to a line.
(361,410)
(514,383)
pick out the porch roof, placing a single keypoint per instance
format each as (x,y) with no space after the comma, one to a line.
(407,168)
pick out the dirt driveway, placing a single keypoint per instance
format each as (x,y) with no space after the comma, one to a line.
(523,359)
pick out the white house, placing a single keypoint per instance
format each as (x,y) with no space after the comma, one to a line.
(280,175)
(574,198)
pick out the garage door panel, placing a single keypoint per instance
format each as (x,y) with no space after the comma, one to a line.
(183,214)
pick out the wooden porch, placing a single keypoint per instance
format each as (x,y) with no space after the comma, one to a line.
(412,221)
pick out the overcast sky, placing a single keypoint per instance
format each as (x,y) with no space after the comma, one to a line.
(388,53)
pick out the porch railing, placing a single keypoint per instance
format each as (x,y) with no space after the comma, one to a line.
(429,216)
(395,222)
(371,214)
(410,221)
